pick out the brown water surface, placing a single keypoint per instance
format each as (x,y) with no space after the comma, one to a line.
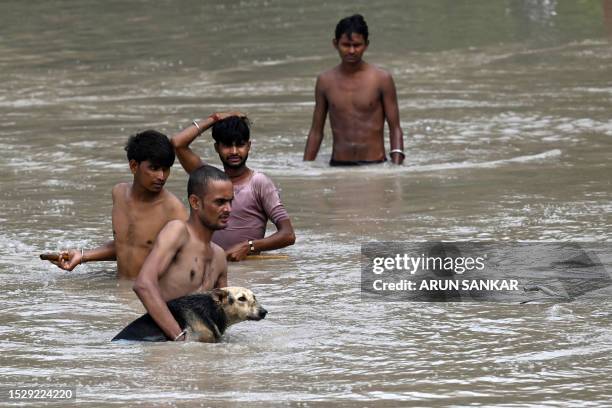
(506,107)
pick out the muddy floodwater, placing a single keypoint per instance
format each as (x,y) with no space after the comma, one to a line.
(506,110)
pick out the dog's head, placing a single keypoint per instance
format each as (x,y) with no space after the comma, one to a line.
(239,304)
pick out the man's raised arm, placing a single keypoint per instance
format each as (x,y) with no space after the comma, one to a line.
(315,136)
(168,243)
(396,136)
(181,141)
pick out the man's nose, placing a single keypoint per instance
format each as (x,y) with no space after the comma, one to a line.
(234,149)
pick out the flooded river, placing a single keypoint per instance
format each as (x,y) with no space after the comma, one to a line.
(505,105)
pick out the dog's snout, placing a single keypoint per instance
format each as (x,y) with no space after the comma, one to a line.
(262,312)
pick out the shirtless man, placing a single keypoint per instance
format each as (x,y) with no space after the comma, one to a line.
(256,197)
(183,259)
(359,97)
(140,209)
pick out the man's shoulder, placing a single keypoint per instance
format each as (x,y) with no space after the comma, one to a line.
(380,73)
(259,180)
(119,192)
(121,187)
(171,199)
(175,227)
(327,76)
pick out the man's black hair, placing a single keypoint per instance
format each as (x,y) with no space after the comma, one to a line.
(231,130)
(150,145)
(200,177)
(352,24)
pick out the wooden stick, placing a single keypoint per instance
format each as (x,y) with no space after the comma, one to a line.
(54,257)
(262,257)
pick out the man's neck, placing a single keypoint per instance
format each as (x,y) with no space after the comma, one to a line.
(350,69)
(139,193)
(201,232)
(239,175)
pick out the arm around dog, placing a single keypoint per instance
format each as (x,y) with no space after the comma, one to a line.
(168,243)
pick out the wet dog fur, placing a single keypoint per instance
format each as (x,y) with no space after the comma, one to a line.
(206,316)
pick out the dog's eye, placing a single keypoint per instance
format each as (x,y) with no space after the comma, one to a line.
(242,298)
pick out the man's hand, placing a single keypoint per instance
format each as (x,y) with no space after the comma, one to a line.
(238,252)
(225,115)
(397,158)
(68,260)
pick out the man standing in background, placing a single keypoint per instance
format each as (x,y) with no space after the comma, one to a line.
(359,97)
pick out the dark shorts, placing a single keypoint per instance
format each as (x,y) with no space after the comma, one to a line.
(333,162)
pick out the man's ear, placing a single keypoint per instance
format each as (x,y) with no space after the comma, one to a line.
(194,202)
(219,295)
(335,43)
(133,166)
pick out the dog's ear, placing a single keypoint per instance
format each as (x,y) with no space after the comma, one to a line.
(219,295)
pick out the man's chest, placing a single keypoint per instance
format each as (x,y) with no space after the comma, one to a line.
(138,226)
(353,96)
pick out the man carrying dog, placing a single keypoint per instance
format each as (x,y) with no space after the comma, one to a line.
(183,259)
(256,197)
(140,209)
(359,97)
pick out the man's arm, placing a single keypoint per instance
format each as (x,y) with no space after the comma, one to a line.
(396,136)
(69,259)
(168,243)
(181,141)
(268,197)
(315,136)
(284,236)
(222,264)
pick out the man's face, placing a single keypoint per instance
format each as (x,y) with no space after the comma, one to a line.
(151,177)
(214,208)
(235,155)
(351,48)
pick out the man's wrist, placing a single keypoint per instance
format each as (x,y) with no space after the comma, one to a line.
(182,335)
(398,151)
(251,244)
(215,117)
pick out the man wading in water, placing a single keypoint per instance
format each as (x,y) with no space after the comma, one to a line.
(256,197)
(140,209)
(359,97)
(184,260)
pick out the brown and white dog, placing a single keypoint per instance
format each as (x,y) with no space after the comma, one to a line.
(205,316)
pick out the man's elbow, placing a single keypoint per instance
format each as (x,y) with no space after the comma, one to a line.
(175,143)
(141,287)
(290,238)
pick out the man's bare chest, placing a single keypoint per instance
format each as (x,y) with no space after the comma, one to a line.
(136,226)
(353,97)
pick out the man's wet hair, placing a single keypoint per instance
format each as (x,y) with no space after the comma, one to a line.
(231,130)
(353,24)
(200,177)
(150,145)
